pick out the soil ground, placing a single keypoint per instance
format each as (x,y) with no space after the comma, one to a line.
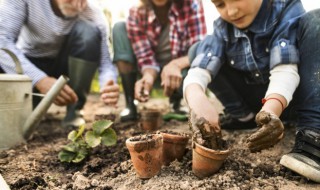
(35,165)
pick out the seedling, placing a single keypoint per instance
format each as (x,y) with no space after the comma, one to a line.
(81,145)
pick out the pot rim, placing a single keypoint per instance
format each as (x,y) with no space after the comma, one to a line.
(156,141)
(174,138)
(207,152)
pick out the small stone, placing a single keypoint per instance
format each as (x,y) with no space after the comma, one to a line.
(94,183)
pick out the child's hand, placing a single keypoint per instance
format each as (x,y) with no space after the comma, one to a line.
(270,133)
(204,133)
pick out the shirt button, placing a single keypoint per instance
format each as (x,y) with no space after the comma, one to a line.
(267,50)
(257,74)
(283,44)
(232,62)
(209,54)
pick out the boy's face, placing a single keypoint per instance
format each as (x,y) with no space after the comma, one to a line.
(159,3)
(71,8)
(239,13)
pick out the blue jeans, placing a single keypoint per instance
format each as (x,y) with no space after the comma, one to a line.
(240,95)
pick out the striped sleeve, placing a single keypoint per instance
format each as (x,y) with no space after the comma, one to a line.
(12,17)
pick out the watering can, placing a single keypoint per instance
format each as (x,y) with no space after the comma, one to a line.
(17,120)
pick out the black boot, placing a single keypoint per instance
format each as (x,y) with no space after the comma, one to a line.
(128,82)
(81,73)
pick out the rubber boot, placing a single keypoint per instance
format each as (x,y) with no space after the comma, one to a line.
(128,82)
(81,73)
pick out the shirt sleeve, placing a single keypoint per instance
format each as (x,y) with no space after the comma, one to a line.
(210,53)
(284,40)
(136,28)
(284,79)
(13,14)
(196,23)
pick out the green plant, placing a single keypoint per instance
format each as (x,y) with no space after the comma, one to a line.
(81,145)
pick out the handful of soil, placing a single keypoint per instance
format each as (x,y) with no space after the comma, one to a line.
(204,133)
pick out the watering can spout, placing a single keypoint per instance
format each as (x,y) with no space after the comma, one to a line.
(35,117)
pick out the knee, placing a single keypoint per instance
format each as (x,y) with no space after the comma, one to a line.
(85,34)
(311,19)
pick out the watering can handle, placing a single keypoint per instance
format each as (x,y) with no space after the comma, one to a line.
(15,60)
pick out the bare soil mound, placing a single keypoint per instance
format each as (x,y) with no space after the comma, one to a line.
(35,165)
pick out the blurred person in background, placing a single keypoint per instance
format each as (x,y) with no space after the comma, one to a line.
(59,37)
(154,41)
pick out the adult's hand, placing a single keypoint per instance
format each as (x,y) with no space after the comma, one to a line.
(171,78)
(110,93)
(270,133)
(143,86)
(65,96)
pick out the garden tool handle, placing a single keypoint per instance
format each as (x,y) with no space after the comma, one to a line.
(15,60)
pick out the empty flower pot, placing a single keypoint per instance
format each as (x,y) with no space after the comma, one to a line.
(146,154)
(150,120)
(205,161)
(174,146)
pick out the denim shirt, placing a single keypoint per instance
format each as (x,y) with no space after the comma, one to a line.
(269,40)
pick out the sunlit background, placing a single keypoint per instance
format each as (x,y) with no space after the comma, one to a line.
(119,9)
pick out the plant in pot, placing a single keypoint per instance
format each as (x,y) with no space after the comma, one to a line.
(209,150)
(81,144)
(150,119)
(146,154)
(174,145)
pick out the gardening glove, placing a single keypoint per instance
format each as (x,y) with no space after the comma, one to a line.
(204,133)
(270,133)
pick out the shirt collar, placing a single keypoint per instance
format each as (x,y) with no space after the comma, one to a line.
(259,23)
(152,15)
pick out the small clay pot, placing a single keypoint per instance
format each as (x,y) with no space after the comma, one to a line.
(174,146)
(205,161)
(146,154)
(150,120)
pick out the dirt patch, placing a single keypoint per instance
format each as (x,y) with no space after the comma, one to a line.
(35,165)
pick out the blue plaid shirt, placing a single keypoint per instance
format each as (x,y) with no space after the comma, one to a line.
(270,40)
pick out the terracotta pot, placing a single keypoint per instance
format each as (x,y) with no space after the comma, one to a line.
(150,120)
(174,146)
(146,155)
(205,161)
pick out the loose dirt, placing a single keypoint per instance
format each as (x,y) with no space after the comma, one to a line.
(35,165)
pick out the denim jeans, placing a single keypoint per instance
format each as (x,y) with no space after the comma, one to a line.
(240,95)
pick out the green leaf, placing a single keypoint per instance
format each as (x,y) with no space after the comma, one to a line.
(66,156)
(92,139)
(79,158)
(74,135)
(99,126)
(71,147)
(80,130)
(109,137)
